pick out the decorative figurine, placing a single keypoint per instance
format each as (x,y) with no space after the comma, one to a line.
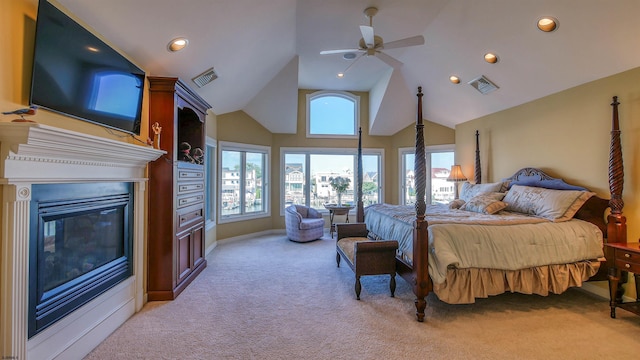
(31,110)
(185,152)
(157,129)
(198,156)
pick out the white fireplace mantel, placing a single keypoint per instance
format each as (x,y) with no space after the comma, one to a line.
(31,153)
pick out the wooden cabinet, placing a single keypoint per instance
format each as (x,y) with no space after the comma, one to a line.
(626,257)
(176,189)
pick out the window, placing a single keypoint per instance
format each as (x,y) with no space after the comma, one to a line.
(307,174)
(333,114)
(439,160)
(210,182)
(244,175)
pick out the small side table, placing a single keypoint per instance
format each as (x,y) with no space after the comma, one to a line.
(626,257)
(337,210)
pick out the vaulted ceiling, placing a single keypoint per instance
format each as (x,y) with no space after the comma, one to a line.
(263,51)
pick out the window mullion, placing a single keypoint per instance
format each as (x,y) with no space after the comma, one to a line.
(243,180)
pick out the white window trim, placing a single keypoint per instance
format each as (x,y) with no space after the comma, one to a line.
(266,178)
(210,222)
(343,94)
(402,169)
(329,151)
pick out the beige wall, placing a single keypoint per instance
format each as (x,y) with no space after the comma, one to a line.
(240,127)
(17,32)
(18,25)
(567,135)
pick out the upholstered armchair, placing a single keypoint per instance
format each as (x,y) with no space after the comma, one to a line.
(303,223)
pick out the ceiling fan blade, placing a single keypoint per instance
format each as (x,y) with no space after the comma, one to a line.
(410,41)
(341,51)
(393,62)
(367,35)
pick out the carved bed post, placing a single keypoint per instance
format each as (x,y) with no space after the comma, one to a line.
(421,285)
(360,208)
(478,171)
(616,221)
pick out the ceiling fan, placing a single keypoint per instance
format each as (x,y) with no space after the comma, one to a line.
(371,44)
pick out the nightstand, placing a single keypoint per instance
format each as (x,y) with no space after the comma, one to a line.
(626,257)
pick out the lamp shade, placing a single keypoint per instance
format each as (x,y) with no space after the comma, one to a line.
(456,174)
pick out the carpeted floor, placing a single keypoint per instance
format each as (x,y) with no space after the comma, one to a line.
(269,298)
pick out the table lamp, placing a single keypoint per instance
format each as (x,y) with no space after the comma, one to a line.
(456,176)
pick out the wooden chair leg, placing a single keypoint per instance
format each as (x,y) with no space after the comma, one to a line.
(392,284)
(358,287)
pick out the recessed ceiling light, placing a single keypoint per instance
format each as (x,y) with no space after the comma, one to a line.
(491,58)
(178,44)
(547,24)
(454,79)
(340,75)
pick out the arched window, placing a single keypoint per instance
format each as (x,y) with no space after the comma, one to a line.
(333,114)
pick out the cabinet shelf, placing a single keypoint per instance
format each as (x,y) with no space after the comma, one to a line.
(176,189)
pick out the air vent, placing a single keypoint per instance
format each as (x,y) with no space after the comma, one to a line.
(205,78)
(483,85)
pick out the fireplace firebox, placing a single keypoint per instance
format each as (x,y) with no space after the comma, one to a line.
(81,244)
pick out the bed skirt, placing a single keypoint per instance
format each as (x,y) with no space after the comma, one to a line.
(463,286)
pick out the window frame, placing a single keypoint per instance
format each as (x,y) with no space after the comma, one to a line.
(328,151)
(402,169)
(266,179)
(343,94)
(211,182)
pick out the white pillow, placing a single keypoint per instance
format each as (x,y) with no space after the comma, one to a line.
(485,204)
(471,190)
(555,205)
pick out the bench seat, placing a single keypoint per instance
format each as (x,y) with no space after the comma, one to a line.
(365,256)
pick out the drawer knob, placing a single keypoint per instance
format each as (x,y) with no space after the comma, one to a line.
(627,255)
(627,266)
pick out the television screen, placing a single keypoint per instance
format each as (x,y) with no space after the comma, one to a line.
(77,74)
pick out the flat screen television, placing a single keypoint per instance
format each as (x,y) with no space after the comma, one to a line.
(77,74)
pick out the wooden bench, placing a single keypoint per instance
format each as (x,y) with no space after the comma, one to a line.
(365,256)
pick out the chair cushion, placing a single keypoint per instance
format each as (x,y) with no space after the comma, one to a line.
(348,245)
(311,223)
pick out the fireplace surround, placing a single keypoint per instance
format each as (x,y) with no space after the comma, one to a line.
(33,156)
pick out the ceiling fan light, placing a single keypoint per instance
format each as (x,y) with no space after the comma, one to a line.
(547,24)
(340,75)
(349,56)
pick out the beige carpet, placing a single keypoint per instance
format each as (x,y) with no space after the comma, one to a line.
(269,298)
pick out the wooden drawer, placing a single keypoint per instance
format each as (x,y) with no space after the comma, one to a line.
(187,187)
(190,174)
(628,256)
(190,199)
(189,217)
(628,266)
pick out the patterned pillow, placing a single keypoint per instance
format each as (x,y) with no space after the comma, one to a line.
(555,205)
(485,204)
(470,190)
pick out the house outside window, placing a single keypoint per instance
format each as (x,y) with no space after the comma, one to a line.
(307,176)
(244,179)
(439,159)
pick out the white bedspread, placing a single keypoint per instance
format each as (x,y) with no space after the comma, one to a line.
(506,241)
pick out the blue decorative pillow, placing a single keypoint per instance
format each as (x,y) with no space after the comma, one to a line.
(555,184)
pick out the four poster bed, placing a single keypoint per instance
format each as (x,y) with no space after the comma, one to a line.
(529,233)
